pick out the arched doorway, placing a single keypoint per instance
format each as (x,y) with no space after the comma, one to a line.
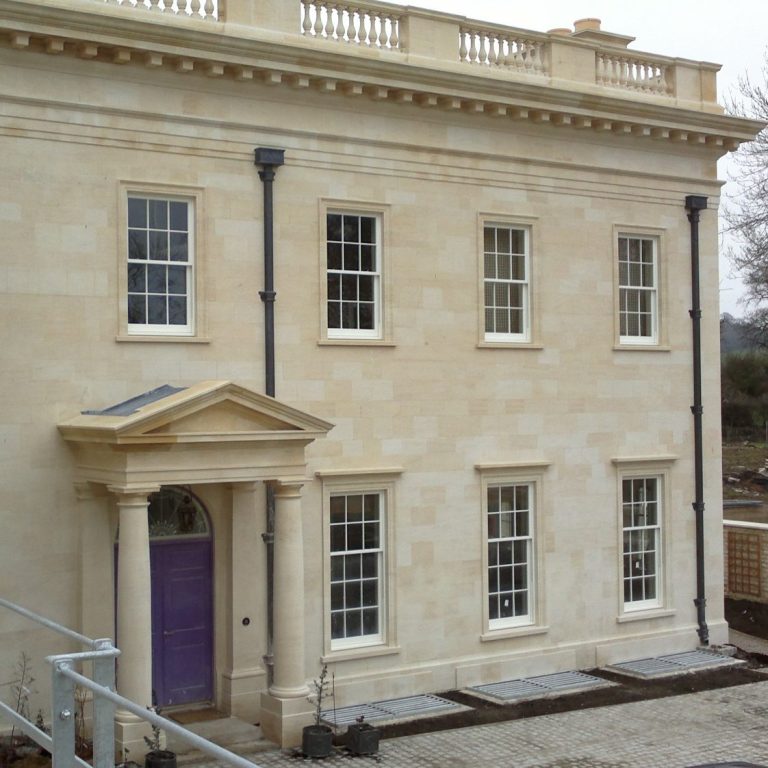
(181,563)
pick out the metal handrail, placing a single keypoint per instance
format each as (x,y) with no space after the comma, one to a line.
(61,742)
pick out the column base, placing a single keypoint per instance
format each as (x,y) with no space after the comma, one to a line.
(282,720)
(129,736)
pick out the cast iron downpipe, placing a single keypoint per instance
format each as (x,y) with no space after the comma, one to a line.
(269,160)
(694,204)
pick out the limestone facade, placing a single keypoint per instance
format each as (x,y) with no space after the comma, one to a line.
(482,274)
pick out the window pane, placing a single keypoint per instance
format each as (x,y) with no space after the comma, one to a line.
(137,278)
(137,244)
(370,621)
(334,226)
(365,285)
(334,256)
(502,240)
(158,214)
(137,311)
(368,229)
(156,275)
(370,566)
(354,536)
(353,594)
(178,216)
(371,536)
(367,317)
(158,246)
(371,502)
(489,239)
(349,315)
(177,279)
(351,226)
(352,565)
(367,258)
(338,538)
(351,257)
(518,241)
(179,246)
(137,212)
(156,310)
(337,625)
(370,593)
(334,315)
(349,287)
(504,267)
(177,310)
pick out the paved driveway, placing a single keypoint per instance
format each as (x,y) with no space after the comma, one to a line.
(715,726)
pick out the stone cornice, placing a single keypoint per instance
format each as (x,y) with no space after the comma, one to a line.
(88,30)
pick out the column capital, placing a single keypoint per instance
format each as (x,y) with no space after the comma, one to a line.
(132,495)
(246,486)
(288,489)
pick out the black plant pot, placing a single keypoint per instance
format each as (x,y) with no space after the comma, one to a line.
(363,739)
(160,758)
(316,741)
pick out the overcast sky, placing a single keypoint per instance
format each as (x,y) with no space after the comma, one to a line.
(733,33)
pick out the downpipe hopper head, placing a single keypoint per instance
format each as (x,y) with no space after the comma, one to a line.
(692,202)
(268,157)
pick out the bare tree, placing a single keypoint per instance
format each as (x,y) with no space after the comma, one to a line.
(746,214)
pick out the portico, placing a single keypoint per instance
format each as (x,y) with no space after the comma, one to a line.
(213,433)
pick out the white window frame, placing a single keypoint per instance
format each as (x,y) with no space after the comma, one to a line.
(656,468)
(506,282)
(641,559)
(626,287)
(193,330)
(381,483)
(531,476)
(350,273)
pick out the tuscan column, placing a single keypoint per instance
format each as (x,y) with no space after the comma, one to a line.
(289,679)
(134,611)
(285,708)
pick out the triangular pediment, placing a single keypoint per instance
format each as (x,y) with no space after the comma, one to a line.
(208,411)
(226,416)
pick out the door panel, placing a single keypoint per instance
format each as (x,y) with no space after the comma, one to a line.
(182,621)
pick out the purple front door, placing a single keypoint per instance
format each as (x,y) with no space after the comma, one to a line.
(182,621)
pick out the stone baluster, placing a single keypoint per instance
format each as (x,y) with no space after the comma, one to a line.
(383,33)
(317,29)
(473,51)
(306,22)
(353,27)
(538,58)
(394,37)
(494,46)
(485,42)
(208,9)
(341,24)
(329,26)
(372,33)
(194,8)
(463,50)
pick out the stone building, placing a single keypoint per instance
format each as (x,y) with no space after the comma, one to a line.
(351,333)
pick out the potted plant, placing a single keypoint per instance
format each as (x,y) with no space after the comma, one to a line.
(157,757)
(363,738)
(317,739)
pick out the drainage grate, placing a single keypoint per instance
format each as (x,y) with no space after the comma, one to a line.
(542,685)
(673,664)
(408,707)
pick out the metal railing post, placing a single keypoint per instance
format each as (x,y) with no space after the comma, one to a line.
(63,717)
(104,709)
